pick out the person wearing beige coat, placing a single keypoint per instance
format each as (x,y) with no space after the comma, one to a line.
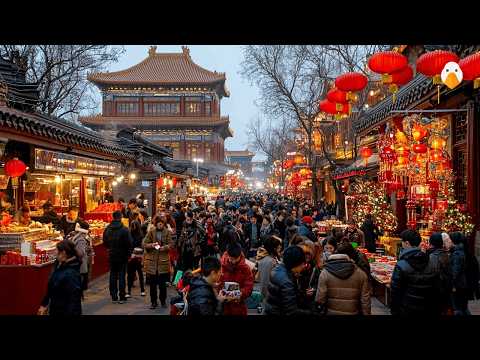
(343,288)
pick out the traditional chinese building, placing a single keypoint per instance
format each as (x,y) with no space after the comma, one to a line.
(243,159)
(171,101)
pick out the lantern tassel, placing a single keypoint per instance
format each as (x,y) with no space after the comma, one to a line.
(438,94)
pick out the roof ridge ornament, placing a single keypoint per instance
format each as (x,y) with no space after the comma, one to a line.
(152,51)
(186,51)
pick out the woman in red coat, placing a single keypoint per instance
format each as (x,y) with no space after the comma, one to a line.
(235,269)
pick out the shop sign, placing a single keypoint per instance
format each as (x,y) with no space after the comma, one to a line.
(60,162)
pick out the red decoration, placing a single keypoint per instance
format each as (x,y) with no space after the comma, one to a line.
(334,108)
(471,68)
(15,168)
(419,132)
(387,62)
(432,63)
(402,77)
(352,81)
(436,155)
(288,164)
(339,96)
(366,152)
(419,148)
(298,159)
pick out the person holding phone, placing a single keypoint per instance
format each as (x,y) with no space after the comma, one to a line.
(157,244)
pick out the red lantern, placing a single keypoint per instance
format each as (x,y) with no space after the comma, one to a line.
(15,168)
(366,152)
(419,148)
(471,68)
(352,81)
(334,108)
(419,132)
(432,63)
(288,164)
(387,62)
(339,96)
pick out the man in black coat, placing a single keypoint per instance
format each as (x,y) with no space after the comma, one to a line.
(252,234)
(179,218)
(279,224)
(283,295)
(119,242)
(49,215)
(68,222)
(202,298)
(415,287)
(439,261)
(370,231)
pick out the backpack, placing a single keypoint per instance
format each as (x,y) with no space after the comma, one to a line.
(472,272)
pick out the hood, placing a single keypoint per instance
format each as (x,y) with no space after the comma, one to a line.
(261,253)
(230,267)
(415,257)
(116,224)
(340,266)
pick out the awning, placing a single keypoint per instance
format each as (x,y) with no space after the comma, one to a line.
(358,168)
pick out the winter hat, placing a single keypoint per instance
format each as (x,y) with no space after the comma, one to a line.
(82,226)
(307,220)
(293,256)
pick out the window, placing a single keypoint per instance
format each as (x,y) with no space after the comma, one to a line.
(208,108)
(208,153)
(193,108)
(161,108)
(127,108)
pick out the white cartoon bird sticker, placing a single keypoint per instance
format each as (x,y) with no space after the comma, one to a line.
(451,75)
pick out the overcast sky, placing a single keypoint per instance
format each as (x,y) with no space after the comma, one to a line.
(240,106)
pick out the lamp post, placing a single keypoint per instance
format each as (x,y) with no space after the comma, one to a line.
(197,161)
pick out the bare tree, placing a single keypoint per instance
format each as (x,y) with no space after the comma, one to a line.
(272,138)
(61,72)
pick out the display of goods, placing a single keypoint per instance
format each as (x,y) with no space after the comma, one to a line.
(107,207)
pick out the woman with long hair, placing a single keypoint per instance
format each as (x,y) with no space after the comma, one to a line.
(64,291)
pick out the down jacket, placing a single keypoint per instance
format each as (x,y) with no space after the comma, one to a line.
(343,288)
(241,274)
(157,261)
(415,285)
(118,241)
(202,299)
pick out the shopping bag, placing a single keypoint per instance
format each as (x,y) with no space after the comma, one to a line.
(178,276)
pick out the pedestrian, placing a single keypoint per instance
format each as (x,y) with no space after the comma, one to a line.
(235,269)
(267,227)
(458,261)
(329,247)
(202,297)
(252,233)
(415,283)
(135,263)
(145,221)
(439,260)
(49,215)
(190,243)
(354,234)
(291,231)
(279,224)
(267,257)
(69,221)
(156,260)
(122,207)
(306,228)
(342,287)
(132,208)
(119,242)
(84,248)
(283,295)
(370,231)
(64,291)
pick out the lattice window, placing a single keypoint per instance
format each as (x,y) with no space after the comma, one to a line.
(460,166)
(460,127)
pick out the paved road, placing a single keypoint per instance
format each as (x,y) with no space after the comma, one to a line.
(97,302)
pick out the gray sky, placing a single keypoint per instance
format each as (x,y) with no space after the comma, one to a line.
(239,106)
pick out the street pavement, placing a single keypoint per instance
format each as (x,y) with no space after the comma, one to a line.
(98,302)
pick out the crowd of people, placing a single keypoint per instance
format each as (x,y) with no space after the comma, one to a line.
(258,251)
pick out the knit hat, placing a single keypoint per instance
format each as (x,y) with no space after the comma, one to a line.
(293,256)
(307,220)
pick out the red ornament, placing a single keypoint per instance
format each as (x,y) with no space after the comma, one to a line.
(15,168)
(387,62)
(337,96)
(334,108)
(471,68)
(366,152)
(436,156)
(432,63)
(419,148)
(402,77)
(352,81)
(298,159)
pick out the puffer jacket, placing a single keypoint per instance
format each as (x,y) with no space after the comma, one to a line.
(157,261)
(343,288)
(440,261)
(241,274)
(64,290)
(118,241)
(202,299)
(415,286)
(283,295)
(306,231)
(458,265)
(265,264)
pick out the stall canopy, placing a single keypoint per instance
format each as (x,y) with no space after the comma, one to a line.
(358,168)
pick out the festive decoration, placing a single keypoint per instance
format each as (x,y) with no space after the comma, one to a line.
(336,109)
(454,219)
(339,96)
(15,168)
(369,197)
(387,62)
(419,148)
(298,159)
(419,132)
(365,153)
(471,68)
(351,82)
(451,75)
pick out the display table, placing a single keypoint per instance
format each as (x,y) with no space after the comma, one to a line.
(100,264)
(22,288)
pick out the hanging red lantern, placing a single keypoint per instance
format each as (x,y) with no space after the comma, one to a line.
(15,168)
(398,78)
(419,148)
(336,109)
(352,81)
(470,66)
(432,63)
(366,152)
(387,62)
(418,132)
(288,164)
(298,160)
(339,96)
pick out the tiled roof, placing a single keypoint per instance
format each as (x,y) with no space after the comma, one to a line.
(161,69)
(154,120)
(235,153)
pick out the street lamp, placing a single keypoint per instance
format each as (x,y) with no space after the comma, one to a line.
(197,161)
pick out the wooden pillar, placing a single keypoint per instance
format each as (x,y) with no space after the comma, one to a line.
(83,201)
(140,105)
(473,163)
